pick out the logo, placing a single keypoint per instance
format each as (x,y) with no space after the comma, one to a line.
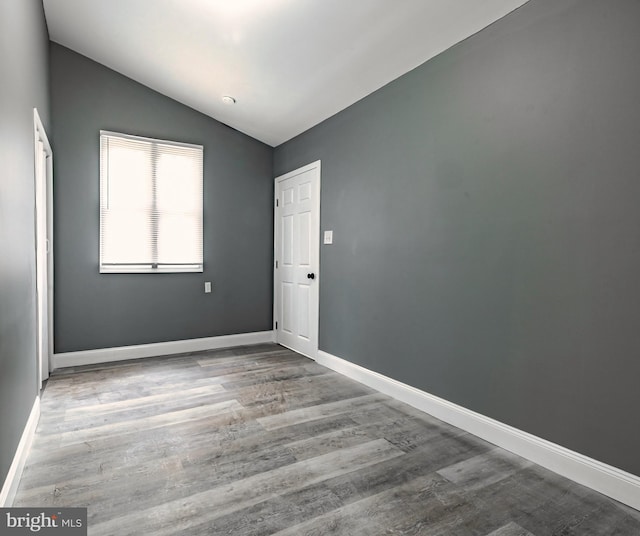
(46,521)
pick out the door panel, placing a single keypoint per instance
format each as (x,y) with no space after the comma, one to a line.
(304,234)
(287,240)
(287,307)
(303,307)
(297,232)
(304,191)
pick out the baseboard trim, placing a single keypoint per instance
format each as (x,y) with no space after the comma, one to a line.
(606,479)
(10,486)
(122,353)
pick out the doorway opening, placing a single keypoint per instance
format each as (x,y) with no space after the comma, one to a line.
(44,248)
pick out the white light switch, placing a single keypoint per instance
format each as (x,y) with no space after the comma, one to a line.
(328,237)
(207,287)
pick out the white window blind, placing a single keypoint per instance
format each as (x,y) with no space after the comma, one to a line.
(150,205)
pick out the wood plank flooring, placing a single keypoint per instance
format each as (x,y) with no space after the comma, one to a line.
(259,440)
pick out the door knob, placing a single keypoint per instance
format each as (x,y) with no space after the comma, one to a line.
(311,276)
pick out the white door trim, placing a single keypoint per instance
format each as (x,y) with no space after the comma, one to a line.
(276,302)
(41,140)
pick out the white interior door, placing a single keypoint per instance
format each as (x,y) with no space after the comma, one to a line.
(44,269)
(297,259)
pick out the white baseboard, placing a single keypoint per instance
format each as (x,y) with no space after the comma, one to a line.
(10,486)
(122,353)
(608,480)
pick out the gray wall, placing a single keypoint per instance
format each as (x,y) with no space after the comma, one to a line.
(95,310)
(486,219)
(24,78)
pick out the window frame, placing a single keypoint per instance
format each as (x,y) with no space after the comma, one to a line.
(150,268)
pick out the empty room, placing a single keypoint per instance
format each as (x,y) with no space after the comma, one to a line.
(307,267)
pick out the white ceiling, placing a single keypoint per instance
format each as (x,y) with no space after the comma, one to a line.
(290,64)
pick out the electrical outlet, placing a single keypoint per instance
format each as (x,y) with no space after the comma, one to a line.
(207,287)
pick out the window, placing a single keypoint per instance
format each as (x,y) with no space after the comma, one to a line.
(150,205)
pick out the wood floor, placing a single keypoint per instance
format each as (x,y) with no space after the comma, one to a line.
(259,440)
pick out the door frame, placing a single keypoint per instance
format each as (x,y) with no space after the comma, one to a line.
(46,183)
(276,299)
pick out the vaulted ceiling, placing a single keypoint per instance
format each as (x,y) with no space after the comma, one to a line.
(289,64)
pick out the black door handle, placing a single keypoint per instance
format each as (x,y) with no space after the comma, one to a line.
(311,276)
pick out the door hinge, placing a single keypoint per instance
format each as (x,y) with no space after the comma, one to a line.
(276,325)
(276,264)
(277,202)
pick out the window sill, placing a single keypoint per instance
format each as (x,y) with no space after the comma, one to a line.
(147,269)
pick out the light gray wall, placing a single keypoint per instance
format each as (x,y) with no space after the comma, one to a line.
(95,310)
(24,79)
(486,220)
